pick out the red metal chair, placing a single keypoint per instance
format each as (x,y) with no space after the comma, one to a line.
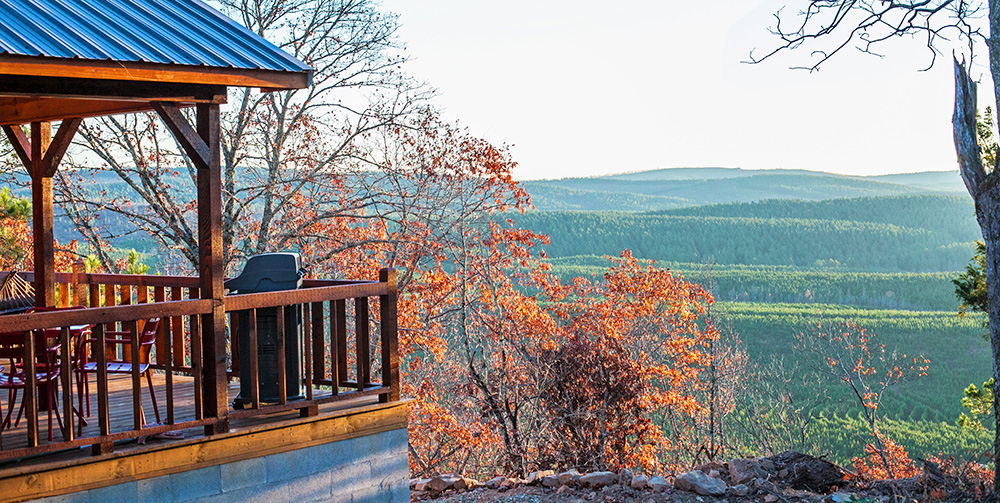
(13,378)
(147,337)
(79,334)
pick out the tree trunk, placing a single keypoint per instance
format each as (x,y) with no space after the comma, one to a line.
(983,188)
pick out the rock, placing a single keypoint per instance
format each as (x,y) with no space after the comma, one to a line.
(495,482)
(743,470)
(508,483)
(801,471)
(562,489)
(696,481)
(442,482)
(639,482)
(625,477)
(839,497)
(536,476)
(464,484)
(770,498)
(569,477)
(597,480)
(419,484)
(658,484)
(550,481)
(740,490)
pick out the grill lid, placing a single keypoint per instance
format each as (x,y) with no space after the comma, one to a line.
(269,272)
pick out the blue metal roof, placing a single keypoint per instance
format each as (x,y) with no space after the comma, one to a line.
(172,32)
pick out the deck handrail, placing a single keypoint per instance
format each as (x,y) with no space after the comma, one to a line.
(324,309)
(113,314)
(160,280)
(245,301)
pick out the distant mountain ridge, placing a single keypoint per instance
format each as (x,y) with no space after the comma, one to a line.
(671,188)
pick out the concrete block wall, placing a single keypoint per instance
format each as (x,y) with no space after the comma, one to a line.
(367,469)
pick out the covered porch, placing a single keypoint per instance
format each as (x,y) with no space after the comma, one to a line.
(167,56)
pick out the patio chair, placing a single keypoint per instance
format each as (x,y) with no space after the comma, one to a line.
(146,339)
(13,378)
(79,333)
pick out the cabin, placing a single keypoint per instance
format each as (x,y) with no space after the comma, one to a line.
(161,388)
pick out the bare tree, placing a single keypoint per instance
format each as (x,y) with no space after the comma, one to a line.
(971,27)
(276,147)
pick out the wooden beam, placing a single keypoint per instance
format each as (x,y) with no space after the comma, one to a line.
(115,90)
(24,110)
(11,64)
(193,144)
(21,144)
(57,149)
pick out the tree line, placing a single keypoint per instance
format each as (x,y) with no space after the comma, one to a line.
(857,245)
(912,291)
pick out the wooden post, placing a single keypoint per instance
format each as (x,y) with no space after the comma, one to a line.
(42,214)
(211,260)
(202,146)
(390,337)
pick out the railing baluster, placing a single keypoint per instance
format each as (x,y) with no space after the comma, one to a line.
(341,324)
(168,363)
(64,370)
(334,348)
(103,414)
(78,285)
(95,295)
(30,400)
(138,418)
(178,349)
(196,364)
(318,343)
(234,343)
(160,295)
(280,350)
(307,359)
(362,341)
(110,300)
(252,353)
(63,289)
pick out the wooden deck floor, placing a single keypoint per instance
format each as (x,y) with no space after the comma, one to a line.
(121,411)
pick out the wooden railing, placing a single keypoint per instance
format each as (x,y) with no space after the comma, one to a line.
(333,327)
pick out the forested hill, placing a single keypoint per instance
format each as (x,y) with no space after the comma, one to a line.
(881,234)
(681,187)
(951,216)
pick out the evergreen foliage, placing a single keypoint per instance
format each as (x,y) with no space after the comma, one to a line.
(827,285)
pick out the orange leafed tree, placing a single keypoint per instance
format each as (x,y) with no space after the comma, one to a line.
(850,356)
(634,349)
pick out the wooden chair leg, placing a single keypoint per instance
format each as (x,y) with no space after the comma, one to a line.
(53,391)
(80,379)
(152,395)
(11,398)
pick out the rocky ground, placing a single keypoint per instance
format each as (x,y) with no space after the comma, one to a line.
(787,478)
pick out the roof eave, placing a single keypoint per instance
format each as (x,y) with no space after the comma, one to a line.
(138,71)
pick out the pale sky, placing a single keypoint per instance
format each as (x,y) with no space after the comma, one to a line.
(593,87)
